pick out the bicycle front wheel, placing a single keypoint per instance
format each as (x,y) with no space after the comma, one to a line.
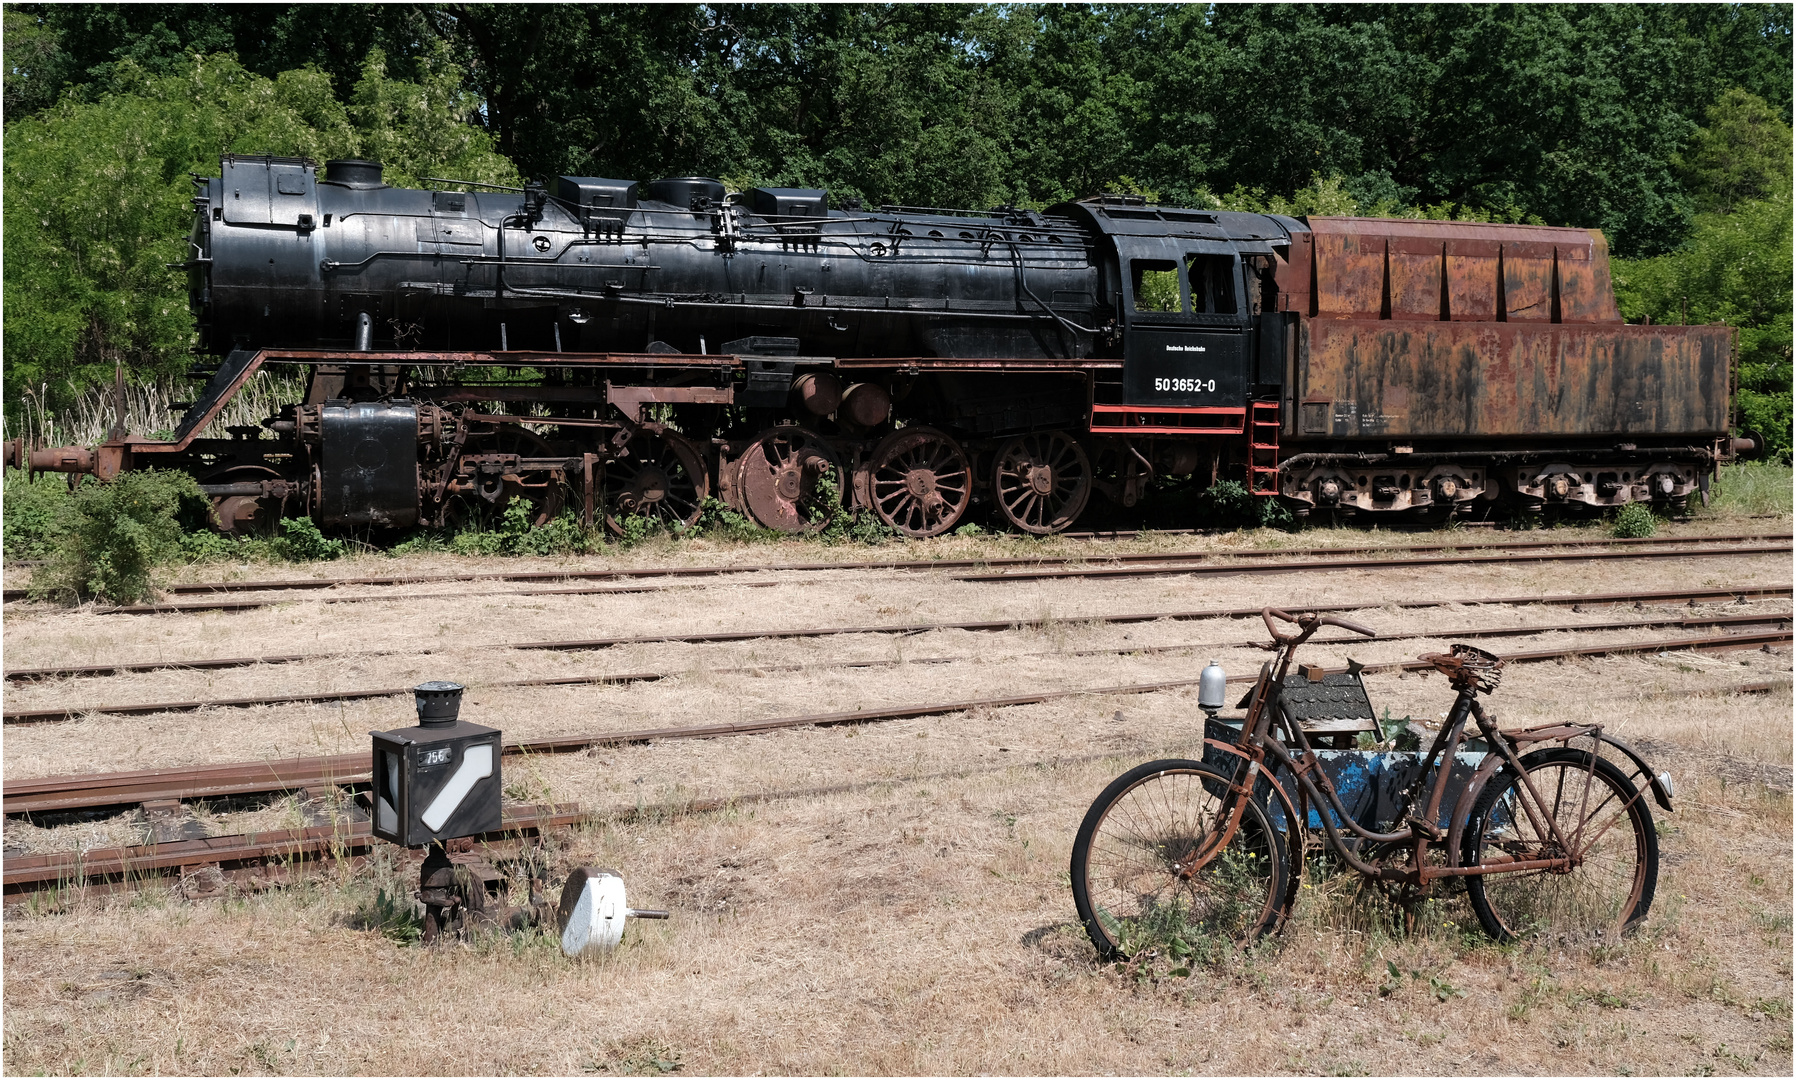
(1608,832)
(1147,872)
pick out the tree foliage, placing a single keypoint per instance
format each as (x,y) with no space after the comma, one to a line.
(1736,266)
(1573,113)
(97,195)
(1664,125)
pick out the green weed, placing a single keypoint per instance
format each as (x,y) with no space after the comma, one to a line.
(1634,521)
(34,507)
(113,535)
(1747,487)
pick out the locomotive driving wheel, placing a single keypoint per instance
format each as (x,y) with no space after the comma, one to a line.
(789,480)
(663,480)
(921,481)
(1042,481)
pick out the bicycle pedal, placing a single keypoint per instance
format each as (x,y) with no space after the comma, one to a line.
(1425,828)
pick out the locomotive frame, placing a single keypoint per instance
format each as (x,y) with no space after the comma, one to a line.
(913,361)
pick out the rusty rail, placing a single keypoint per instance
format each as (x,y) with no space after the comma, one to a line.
(39,716)
(1619,546)
(1372,564)
(84,791)
(259,859)
(1638,599)
(132,865)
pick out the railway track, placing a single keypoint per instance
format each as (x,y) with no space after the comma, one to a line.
(1693,596)
(314,584)
(1690,622)
(90,791)
(1312,567)
(1136,565)
(276,857)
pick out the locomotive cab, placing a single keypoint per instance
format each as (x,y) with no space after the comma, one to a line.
(1195,294)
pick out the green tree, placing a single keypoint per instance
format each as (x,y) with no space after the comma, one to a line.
(1743,154)
(97,197)
(1736,266)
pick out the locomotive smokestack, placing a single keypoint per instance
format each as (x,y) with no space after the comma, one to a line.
(354,173)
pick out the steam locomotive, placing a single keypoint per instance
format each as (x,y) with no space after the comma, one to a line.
(632,350)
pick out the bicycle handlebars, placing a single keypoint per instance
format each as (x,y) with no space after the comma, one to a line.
(1310,622)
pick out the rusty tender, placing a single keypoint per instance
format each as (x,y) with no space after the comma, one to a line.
(1548,833)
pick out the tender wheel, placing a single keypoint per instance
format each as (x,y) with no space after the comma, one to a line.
(1042,481)
(1144,877)
(1615,853)
(921,481)
(663,479)
(790,481)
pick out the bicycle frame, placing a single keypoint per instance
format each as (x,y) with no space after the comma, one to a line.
(1260,749)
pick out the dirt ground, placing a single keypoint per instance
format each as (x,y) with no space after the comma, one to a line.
(914,916)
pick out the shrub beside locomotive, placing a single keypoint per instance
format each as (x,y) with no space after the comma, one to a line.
(634,349)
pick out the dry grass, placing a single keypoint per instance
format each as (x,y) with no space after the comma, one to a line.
(917,921)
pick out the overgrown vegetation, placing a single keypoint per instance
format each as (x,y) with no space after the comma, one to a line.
(1753,487)
(107,537)
(1227,504)
(1633,522)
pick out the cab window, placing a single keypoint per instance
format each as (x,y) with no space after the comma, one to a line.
(1156,285)
(1212,283)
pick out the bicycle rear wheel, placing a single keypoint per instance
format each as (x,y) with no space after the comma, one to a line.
(1142,872)
(1615,853)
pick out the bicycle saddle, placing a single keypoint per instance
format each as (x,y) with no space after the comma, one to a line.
(1468,664)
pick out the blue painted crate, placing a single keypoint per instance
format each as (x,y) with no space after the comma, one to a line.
(1369,782)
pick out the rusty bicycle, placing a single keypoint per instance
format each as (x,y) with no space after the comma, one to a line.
(1550,832)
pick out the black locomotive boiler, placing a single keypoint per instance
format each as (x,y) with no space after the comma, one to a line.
(634,349)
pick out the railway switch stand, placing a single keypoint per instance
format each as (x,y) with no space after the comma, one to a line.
(437,785)
(439,780)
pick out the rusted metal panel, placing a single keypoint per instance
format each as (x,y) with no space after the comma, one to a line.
(1585,292)
(1528,282)
(1416,278)
(1294,274)
(1472,280)
(1398,269)
(1381,379)
(1349,274)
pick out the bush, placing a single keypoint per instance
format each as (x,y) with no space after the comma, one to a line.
(1634,521)
(114,534)
(717,519)
(513,534)
(856,525)
(1227,504)
(300,541)
(33,514)
(203,544)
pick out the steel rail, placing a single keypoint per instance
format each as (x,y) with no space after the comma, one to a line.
(41,716)
(131,865)
(317,584)
(1322,566)
(179,606)
(247,858)
(594,644)
(89,791)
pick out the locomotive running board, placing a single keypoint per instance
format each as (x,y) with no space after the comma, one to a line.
(1167,420)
